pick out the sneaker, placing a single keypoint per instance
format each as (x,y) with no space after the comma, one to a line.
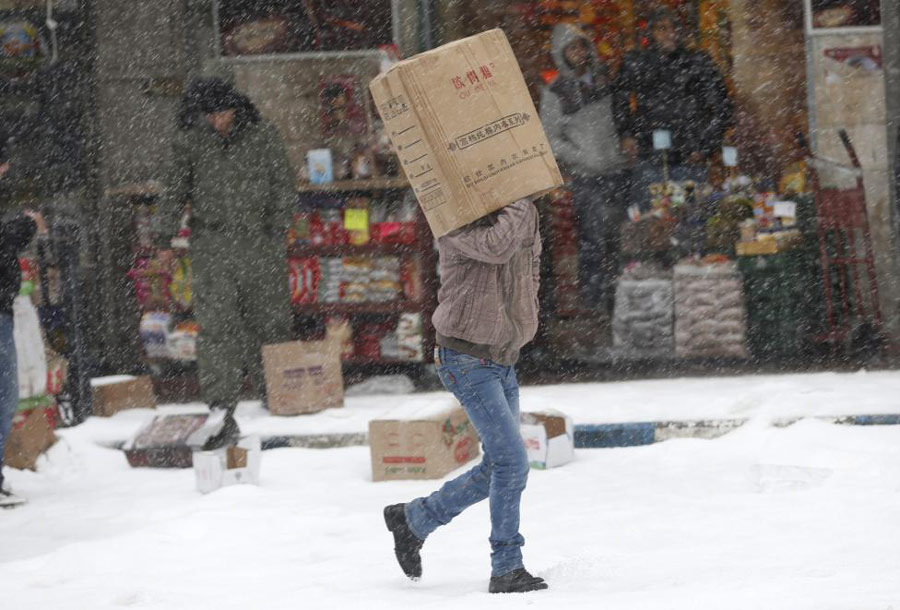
(8,499)
(406,544)
(228,436)
(517,581)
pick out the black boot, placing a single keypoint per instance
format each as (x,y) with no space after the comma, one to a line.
(406,544)
(517,581)
(228,436)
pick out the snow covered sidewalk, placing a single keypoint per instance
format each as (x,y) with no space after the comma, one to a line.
(660,409)
(794,518)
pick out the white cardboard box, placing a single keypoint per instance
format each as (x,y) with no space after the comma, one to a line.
(232,466)
(549,438)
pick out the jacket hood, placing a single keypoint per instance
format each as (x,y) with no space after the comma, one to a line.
(563,35)
(207,95)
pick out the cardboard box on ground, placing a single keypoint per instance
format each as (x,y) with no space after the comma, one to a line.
(422,444)
(305,376)
(171,438)
(466,130)
(27,442)
(231,466)
(549,438)
(114,394)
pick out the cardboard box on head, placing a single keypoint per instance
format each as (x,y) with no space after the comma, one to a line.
(465,128)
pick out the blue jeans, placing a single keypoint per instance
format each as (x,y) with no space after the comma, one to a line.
(490,395)
(9,382)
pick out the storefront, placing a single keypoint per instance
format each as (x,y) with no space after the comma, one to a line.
(747,237)
(785,64)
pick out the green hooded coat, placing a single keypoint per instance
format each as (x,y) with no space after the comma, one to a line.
(242,196)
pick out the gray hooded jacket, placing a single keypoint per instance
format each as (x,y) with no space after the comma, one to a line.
(579,118)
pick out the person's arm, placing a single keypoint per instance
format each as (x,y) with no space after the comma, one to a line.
(554,122)
(536,260)
(283,183)
(624,85)
(177,187)
(495,244)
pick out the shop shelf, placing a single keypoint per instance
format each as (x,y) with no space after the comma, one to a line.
(372,184)
(305,251)
(390,307)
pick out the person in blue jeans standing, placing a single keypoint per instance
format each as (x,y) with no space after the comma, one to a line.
(15,236)
(487,310)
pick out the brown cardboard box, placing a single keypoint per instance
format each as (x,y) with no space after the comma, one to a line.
(465,128)
(25,445)
(422,446)
(549,438)
(114,394)
(304,376)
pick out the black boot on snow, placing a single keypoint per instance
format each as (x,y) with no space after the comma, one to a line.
(228,436)
(406,544)
(517,581)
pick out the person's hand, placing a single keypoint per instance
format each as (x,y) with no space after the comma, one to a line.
(630,148)
(4,167)
(38,219)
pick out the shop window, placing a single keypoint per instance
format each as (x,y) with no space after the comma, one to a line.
(251,27)
(827,14)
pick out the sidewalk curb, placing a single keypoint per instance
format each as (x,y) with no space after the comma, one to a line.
(604,436)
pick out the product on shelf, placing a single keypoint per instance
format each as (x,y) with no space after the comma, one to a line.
(151,284)
(330,278)
(409,337)
(644,310)
(710,316)
(340,329)
(181,286)
(356,221)
(182,342)
(304,276)
(154,330)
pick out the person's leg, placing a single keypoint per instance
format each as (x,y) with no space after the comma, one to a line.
(222,331)
(482,388)
(267,308)
(9,383)
(615,188)
(587,194)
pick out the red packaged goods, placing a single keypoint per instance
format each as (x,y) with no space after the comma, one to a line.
(304,280)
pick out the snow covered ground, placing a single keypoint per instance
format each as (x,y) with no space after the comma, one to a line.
(760,397)
(795,518)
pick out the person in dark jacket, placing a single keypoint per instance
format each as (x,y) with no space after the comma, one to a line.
(232,166)
(15,235)
(676,90)
(577,113)
(487,310)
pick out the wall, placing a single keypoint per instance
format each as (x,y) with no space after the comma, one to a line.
(770,82)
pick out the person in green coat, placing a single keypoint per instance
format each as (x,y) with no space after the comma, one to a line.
(231,166)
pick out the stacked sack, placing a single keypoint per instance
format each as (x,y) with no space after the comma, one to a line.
(710,316)
(643,317)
